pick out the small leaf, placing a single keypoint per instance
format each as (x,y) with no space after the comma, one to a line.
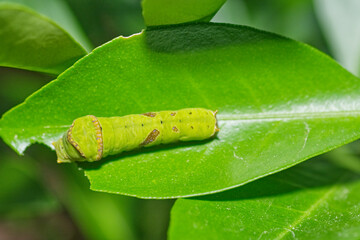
(314,200)
(33,42)
(280,102)
(164,12)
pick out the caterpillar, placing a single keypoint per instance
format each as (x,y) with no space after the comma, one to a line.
(91,138)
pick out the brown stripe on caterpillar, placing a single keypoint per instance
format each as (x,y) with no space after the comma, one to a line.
(99,137)
(150,137)
(149,114)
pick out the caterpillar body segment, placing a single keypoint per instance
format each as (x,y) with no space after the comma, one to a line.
(90,138)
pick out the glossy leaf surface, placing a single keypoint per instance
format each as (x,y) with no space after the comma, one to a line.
(280,102)
(33,42)
(164,12)
(314,200)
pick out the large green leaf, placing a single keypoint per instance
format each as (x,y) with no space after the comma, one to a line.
(163,12)
(280,102)
(314,200)
(33,42)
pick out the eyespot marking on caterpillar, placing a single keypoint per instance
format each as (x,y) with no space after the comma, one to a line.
(175,129)
(192,127)
(151,137)
(173,113)
(149,114)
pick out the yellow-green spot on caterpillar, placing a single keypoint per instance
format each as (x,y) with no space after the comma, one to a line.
(90,138)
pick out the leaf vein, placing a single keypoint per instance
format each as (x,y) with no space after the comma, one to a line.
(311,209)
(287,116)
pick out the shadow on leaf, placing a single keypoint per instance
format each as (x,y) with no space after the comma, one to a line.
(201,36)
(143,150)
(316,173)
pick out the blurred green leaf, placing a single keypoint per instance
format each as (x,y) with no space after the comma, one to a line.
(99,216)
(277,16)
(22,192)
(164,12)
(340,21)
(280,102)
(233,11)
(59,12)
(33,42)
(345,157)
(152,218)
(33,190)
(107,19)
(10,80)
(314,200)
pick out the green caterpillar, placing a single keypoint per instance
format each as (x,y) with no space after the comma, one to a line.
(90,138)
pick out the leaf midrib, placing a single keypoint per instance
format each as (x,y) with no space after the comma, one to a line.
(288,115)
(255,117)
(307,213)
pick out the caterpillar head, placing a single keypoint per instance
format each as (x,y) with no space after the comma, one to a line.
(82,142)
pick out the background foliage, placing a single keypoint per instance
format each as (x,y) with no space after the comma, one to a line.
(39,195)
